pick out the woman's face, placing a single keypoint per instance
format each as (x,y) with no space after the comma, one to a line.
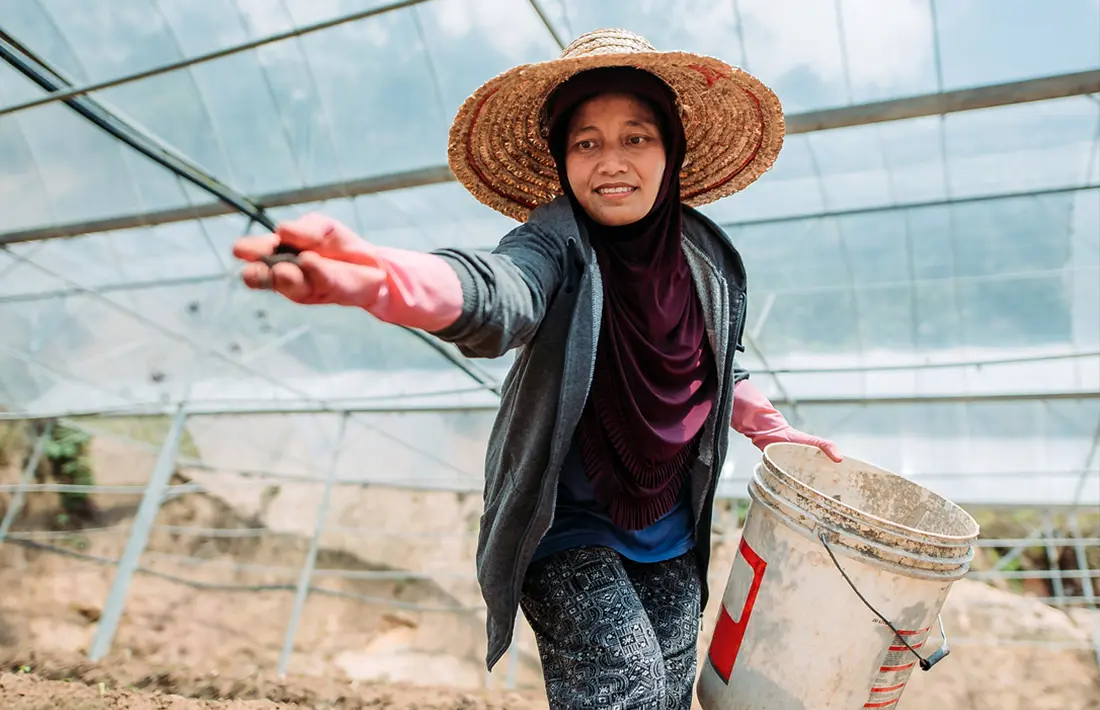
(615,158)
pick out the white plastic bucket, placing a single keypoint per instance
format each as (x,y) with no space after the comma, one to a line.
(792,633)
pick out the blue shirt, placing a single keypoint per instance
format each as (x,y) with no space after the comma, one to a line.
(580,521)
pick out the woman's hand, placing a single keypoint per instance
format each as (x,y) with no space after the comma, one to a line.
(755,417)
(335,266)
(789,434)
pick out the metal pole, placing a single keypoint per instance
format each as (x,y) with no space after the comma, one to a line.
(311,558)
(139,537)
(1052,560)
(147,511)
(1082,559)
(942,102)
(16,503)
(150,146)
(549,25)
(210,56)
(341,189)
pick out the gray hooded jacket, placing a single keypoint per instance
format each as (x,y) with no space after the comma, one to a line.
(540,291)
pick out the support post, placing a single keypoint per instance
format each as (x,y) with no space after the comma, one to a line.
(20,494)
(1052,560)
(311,557)
(139,537)
(1082,560)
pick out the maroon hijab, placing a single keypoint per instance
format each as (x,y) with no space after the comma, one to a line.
(654,381)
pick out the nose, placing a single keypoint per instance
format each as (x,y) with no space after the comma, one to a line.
(612,161)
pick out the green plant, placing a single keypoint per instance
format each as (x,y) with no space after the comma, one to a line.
(67,454)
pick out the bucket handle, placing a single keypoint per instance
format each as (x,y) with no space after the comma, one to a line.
(925,663)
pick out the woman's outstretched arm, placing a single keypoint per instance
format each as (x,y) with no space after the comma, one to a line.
(485,303)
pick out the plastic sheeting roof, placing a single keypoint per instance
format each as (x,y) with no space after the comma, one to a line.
(926,290)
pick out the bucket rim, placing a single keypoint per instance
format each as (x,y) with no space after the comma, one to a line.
(859,516)
(840,517)
(758,486)
(954,573)
(832,502)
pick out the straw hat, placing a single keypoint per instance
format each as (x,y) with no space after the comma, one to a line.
(498,150)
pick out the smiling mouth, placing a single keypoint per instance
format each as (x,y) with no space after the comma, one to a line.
(615,191)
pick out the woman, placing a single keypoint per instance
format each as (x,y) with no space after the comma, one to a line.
(626,306)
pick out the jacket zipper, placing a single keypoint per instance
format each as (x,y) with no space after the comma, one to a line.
(743,312)
(708,500)
(741,308)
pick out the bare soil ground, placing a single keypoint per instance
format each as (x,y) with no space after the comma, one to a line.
(34,681)
(52,603)
(185,648)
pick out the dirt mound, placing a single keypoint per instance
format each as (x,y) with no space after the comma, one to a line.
(33,681)
(361,621)
(350,628)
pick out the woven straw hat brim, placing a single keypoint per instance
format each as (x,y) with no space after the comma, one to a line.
(733,124)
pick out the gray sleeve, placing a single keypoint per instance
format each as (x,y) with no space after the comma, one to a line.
(505,293)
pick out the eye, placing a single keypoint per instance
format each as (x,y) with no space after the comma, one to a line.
(637,140)
(586,144)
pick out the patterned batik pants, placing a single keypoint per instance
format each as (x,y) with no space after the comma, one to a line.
(612,633)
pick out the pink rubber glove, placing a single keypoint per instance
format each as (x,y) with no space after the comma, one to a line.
(337,266)
(755,417)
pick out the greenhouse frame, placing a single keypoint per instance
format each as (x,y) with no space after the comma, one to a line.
(923,260)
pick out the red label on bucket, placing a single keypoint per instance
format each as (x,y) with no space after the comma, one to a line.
(728,634)
(894,670)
